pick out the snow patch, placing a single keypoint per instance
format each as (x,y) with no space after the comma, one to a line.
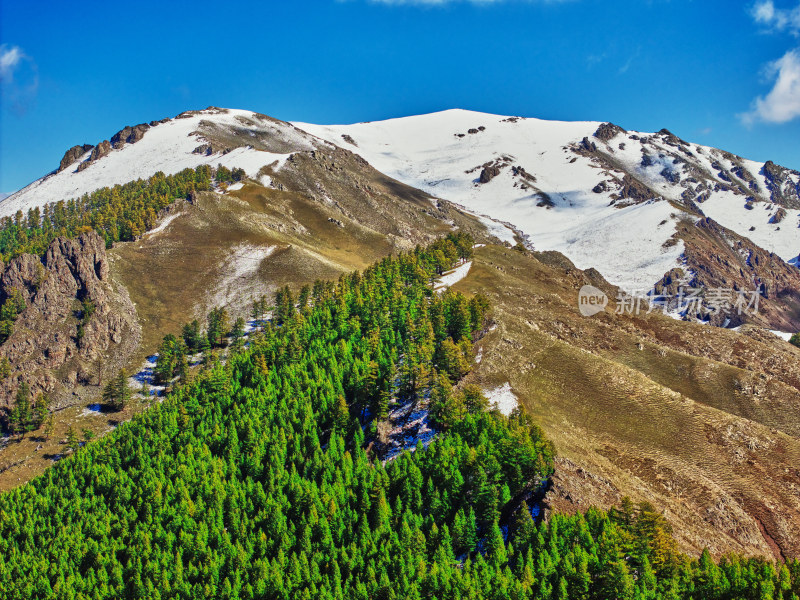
(146,375)
(91,410)
(782,334)
(239,269)
(164,224)
(452,277)
(502,398)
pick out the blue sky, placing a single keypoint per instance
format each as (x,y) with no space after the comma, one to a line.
(722,73)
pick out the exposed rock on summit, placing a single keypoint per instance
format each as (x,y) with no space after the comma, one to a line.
(73,154)
(102,149)
(129,135)
(607,131)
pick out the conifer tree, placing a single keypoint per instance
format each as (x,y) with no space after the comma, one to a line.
(49,427)
(21,418)
(73,443)
(41,410)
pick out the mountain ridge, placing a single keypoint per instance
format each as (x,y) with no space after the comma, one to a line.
(605,197)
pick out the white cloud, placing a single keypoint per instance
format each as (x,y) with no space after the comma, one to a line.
(782,103)
(780,19)
(10,57)
(19,77)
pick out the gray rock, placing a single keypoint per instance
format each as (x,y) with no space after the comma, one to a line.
(489,173)
(73,154)
(52,347)
(607,131)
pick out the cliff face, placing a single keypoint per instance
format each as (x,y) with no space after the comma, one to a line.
(75,323)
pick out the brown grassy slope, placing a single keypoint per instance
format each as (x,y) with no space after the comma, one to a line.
(229,249)
(697,420)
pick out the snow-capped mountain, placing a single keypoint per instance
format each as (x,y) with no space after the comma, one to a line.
(232,138)
(605,197)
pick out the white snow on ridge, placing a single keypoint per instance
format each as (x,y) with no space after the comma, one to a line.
(782,238)
(626,245)
(166,147)
(725,207)
(543,190)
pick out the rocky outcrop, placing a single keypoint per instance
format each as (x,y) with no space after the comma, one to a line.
(102,149)
(779,216)
(608,131)
(518,171)
(74,322)
(204,149)
(210,148)
(489,173)
(73,154)
(633,189)
(783,185)
(671,282)
(129,135)
(587,145)
(126,135)
(671,139)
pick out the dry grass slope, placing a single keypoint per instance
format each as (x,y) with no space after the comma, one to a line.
(700,421)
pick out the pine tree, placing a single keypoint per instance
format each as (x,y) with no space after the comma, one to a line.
(495,545)
(73,443)
(342,416)
(49,427)
(20,419)
(237,333)
(122,389)
(117,392)
(5,368)
(41,410)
